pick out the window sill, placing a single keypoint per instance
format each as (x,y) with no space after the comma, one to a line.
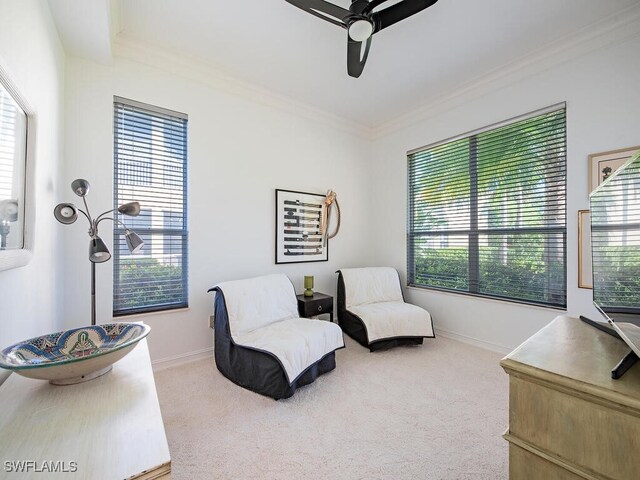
(133,316)
(487,299)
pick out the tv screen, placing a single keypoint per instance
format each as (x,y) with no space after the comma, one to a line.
(615,240)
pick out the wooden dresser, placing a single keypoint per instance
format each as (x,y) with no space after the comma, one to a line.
(567,418)
(109,428)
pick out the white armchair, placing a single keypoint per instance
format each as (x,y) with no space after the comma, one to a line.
(261,344)
(372,310)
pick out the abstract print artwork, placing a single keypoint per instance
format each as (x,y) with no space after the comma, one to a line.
(298,220)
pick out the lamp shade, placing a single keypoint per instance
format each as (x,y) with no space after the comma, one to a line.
(66,213)
(132,209)
(80,187)
(134,242)
(98,251)
(360,30)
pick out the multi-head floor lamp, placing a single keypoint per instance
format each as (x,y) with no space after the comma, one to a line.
(67,213)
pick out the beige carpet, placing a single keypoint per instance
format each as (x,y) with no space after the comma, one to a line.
(431,412)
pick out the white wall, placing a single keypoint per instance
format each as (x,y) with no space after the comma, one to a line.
(240,151)
(241,148)
(32,54)
(601,91)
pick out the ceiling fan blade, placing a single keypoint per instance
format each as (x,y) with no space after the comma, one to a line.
(393,14)
(357,53)
(325,10)
(373,4)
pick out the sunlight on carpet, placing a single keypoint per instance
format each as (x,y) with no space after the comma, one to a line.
(435,411)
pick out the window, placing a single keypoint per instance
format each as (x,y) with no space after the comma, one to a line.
(150,166)
(487,211)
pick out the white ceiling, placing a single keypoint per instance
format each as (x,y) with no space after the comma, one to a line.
(277,46)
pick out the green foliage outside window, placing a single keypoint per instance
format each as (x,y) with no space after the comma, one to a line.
(147,282)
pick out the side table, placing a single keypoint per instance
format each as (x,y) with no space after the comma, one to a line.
(318,304)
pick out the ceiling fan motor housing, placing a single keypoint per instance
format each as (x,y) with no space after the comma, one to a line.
(360,26)
(361,22)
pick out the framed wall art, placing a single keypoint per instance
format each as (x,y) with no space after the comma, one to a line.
(585,276)
(298,220)
(603,165)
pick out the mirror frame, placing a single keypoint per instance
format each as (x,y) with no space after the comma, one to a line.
(20,257)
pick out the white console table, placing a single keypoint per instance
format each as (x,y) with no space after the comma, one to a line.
(107,428)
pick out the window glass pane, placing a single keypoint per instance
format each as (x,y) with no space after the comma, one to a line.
(526,266)
(521,174)
(150,148)
(440,188)
(442,261)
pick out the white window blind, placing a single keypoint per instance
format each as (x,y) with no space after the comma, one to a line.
(487,212)
(150,166)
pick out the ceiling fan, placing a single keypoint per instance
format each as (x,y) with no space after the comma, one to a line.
(361,22)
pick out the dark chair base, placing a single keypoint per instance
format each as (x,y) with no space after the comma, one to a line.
(257,370)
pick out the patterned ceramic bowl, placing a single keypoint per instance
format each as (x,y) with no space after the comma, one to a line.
(73,356)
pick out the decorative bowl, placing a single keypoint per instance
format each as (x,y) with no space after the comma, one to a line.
(75,355)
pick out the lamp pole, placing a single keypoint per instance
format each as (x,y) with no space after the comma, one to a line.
(4,233)
(93,293)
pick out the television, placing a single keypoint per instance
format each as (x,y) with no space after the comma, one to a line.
(615,242)
(615,254)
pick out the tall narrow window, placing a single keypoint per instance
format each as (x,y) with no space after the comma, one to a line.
(150,166)
(487,211)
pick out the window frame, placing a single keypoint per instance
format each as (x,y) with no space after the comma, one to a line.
(164,232)
(474,232)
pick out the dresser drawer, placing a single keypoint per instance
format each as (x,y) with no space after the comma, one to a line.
(316,305)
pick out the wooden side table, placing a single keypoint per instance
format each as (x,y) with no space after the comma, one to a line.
(316,305)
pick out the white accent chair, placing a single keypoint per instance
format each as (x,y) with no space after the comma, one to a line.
(261,343)
(372,310)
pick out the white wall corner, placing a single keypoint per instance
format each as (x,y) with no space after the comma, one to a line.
(86,27)
(115,18)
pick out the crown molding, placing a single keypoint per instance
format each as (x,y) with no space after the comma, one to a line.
(614,29)
(201,71)
(115,18)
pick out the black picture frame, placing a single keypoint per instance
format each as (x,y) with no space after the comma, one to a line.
(298,238)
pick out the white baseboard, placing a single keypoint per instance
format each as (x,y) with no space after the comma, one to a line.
(181,359)
(494,347)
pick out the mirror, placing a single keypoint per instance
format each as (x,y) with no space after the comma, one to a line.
(15,168)
(13,150)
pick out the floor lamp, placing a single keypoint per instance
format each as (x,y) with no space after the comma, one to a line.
(67,213)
